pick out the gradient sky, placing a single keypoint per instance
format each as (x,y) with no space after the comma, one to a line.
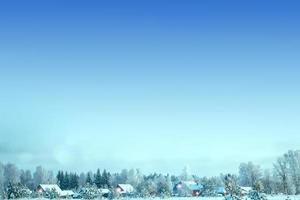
(154,85)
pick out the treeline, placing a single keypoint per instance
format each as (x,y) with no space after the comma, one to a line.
(284,178)
(145,185)
(69,181)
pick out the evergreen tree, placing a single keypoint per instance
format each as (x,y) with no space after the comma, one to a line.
(66,181)
(163,187)
(106,179)
(89,179)
(230,185)
(98,179)
(60,178)
(26,179)
(17,190)
(74,181)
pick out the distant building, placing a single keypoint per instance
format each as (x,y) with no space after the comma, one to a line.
(125,189)
(48,187)
(187,188)
(54,187)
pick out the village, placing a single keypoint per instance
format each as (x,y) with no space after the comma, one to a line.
(181,189)
(250,181)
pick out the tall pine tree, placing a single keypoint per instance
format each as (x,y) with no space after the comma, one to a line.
(98,179)
(65,182)
(89,179)
(106,182)
(74,181)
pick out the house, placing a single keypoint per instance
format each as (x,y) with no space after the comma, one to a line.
(48,187)
(54,187)
(187,188)
(125,189)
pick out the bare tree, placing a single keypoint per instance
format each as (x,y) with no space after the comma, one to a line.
(268,182)
(249,174)
(11,174)
(293,160)
(281,172)
(1,178)
(39,176)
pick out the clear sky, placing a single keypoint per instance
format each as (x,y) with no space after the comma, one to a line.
(154,85)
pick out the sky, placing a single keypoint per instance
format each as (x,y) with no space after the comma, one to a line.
(155,85)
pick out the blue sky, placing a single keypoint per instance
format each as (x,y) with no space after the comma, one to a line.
(154,85)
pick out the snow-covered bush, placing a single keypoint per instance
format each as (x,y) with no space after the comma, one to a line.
(15,191)
(147,189)
(254,195)
(51,194)
(232,197)
(90,192)
(231,185)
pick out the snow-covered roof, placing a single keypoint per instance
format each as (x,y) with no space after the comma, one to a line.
(65,193)
(126,188)
(55,187)
(104,191)
(51,187)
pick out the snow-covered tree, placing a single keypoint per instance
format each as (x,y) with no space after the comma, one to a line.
(163,186)
(82,179)
(106,178)
(11,174)
(254,195)
(1,180)
(284,183)
(98,179)
(186,175)
(17,190)
(60,178)
(293,160)
(134,177)
(51,194)
(230,182)
(210,185)
(50,178)
(123,176)
(89,179)
(74,181)
(147,188)
(26,179)
(90,192)
(249,174)
(268,182)
(39,176)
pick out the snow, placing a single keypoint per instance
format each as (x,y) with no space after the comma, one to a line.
(50,187)
(62,193)
(246,189)
(65,193)
(276,197)
(127,188)
(105,191)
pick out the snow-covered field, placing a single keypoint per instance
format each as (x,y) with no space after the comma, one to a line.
(277,197)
